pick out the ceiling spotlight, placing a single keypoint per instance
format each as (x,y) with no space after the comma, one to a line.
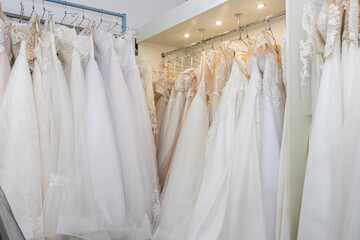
(187,35)
(218,22)
(260,5)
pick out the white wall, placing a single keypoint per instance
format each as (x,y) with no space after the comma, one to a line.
(138,12)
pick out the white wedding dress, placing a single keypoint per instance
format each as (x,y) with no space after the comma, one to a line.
(62,142)
(238,211)
(20,164)
(273,98)
(218,147)
(146,143)
(325,135)
(344,200)
(173,112)
(132,165)
(183,181)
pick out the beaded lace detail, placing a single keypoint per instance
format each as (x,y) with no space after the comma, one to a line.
(5,41)
(352,21)
(336,11)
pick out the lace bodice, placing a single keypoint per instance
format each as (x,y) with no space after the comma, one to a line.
(104,47)
(351,29)
(30,33)
(268,65)
(67,42)
(126,50)
(5,40)
(335,16)
(218,74)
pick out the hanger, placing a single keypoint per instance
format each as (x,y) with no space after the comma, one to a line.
(33,9)
(44,11)
(84,18)
(21,12)
(73,15)
(269,30)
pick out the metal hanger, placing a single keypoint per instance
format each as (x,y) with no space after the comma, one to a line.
(21,12)
(84,18)
(44,11)
(33,10)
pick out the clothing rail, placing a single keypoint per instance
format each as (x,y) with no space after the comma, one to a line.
(27,18)
(102,11)
(225,33)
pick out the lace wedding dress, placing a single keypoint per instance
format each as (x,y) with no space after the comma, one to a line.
(173,112)
(20,171)
(237,210)
(5,55)
(218,145)
(325,133)
(344,199)
(273,99)
(182,184)
(62,144)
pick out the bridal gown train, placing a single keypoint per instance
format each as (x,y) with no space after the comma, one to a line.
(182,184)
(323,143)
(132,161)
(218,145)
(20,171)
(130,72)
(5,55)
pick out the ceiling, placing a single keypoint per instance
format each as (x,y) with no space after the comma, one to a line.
(224,12)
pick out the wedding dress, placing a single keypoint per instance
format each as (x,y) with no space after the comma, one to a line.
(325,135)
(344,190)
(20,171)
(63,139)
(162,93)
(173,111)
(142,121)
(5,55)
(132,166)
(236,210)
(218,145)
(182,184)
(273,98)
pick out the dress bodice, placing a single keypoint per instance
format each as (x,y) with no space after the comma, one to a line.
(30,33)
(67,43)
(5,40)
(351,27)
(125,50)
(104,47)
(335,13)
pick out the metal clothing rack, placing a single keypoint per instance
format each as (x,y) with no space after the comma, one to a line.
(225,33)
(102,11)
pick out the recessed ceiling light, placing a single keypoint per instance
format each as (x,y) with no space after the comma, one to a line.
(218,22)
(187,35)
(260,5)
